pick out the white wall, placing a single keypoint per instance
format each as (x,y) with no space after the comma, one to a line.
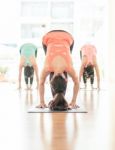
(111,47)
(9,21)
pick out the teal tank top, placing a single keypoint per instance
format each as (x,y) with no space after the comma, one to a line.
(27,50)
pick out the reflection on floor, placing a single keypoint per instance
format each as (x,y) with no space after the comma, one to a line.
(20,130)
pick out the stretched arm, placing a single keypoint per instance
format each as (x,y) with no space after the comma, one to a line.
(36,73)
(98,75)
(20,71)
(74,77)
(81,72)
(19,76)
(35,66)
(97,72)
(42,89)
(82,68)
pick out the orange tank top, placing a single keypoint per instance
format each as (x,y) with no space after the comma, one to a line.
(58,44)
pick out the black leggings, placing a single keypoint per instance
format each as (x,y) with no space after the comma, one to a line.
(28,74)
(26,80)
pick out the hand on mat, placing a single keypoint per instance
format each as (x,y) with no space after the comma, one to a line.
(41,105)
(98,89)
(94,88)
(19,87)
(73,105)
(37,87)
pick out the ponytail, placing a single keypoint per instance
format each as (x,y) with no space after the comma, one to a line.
(58,103)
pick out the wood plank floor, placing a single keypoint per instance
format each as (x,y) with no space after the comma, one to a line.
(20,130)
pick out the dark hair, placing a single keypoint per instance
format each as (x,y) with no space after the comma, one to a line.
(58,87)
(28,71)
(58,103)
(89,70)
(58,84)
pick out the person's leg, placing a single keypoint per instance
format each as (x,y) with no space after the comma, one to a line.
(35,68)
(92,79)
(31,82)
(26,81)
(85,79)
(90,73)
(44,47)
(31,75)
(81,55)
(20,51)
(71,46)
(36,53)
(26,78)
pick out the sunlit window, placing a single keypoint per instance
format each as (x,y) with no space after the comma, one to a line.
(34,9)
(62,10)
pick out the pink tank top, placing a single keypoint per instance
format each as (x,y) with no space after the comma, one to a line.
(90,52)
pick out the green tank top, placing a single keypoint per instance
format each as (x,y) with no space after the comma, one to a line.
(27,50)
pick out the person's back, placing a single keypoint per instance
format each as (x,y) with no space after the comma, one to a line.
(57,37)
(89,52)
(58,50)
(28,50)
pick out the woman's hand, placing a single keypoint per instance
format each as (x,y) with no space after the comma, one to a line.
(42,105)
(19,87)
(73,105)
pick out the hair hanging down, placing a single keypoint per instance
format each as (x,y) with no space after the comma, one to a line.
(89,70)
(58,103)
(58,84)
(28,71)
(58,87)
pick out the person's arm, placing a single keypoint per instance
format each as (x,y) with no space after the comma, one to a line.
(19,76)
(42,89)
(35,66)
(82,68)
(98,75)
(20,71)
(36,73)
(81,72)
(74,77)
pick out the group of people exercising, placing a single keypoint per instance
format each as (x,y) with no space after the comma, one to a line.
(58,45)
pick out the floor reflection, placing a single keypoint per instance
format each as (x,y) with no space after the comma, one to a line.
(29,98)
(90,99)
(55,134)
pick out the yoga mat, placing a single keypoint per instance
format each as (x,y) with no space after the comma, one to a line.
(47,110)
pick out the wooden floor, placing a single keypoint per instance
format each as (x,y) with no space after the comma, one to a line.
(20,130)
